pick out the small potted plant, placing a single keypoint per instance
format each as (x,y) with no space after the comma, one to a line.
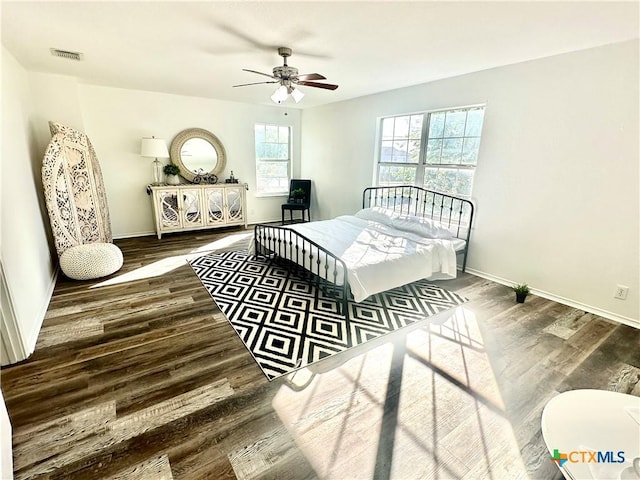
(172,171)
(298,195)
(522,290)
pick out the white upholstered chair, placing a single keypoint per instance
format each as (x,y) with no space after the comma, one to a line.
(77,206)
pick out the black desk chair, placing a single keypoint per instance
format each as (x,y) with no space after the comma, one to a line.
(299,199)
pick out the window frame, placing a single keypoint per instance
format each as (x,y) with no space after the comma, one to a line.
(288,160)
(422,166)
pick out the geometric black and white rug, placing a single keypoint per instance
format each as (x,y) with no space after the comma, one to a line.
(284,325)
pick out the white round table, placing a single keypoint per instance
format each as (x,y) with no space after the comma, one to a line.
(590,421)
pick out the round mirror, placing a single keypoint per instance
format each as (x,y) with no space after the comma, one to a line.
(197,151)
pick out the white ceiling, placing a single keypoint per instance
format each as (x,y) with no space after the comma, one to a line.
(200,48)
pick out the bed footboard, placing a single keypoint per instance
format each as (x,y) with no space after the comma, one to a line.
(309,260)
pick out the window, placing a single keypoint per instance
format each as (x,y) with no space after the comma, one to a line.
(437,150)
(273,159)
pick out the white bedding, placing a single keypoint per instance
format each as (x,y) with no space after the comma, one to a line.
(379,257)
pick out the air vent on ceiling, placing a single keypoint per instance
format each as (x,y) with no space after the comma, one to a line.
(66,54)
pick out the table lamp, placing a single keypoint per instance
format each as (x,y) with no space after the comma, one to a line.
(155,148)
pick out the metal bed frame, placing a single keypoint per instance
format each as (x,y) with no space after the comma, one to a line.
(327,272)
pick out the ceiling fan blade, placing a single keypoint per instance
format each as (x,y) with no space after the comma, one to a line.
(311,76)
(327,86)
(246,37)
(297,36)
(259,73)
(254,83)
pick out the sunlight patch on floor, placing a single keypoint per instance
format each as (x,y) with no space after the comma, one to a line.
(448,420)
(332,417)
(238,239)
(154,269)
(166,265)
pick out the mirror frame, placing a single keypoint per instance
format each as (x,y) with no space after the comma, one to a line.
(189,133)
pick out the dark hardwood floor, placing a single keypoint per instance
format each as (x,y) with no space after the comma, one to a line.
(140,376)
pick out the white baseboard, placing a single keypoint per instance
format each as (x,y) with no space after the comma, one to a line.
(32,336)
(134,235)
(256,222)
(565,301)
(153,232)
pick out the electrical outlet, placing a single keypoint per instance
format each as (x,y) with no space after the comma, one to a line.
(621,292)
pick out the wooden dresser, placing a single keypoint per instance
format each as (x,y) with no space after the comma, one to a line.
(180,208)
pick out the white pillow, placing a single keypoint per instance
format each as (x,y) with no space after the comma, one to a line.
(376,214)
(423,226)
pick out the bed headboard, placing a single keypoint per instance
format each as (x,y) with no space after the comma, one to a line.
(455,213)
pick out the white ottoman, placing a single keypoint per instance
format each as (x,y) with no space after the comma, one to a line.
(91,260)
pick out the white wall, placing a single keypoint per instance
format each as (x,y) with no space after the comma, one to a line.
(53,98)
(117,119)
(556,188)
(24,248)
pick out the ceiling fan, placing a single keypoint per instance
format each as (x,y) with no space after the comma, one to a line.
(288,78)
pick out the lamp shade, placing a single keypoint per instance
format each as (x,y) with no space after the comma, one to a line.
(154,147)
(296,94)
(280,95)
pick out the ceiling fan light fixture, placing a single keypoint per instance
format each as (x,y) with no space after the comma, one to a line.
(280,95)
(288,78)
(296,94)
